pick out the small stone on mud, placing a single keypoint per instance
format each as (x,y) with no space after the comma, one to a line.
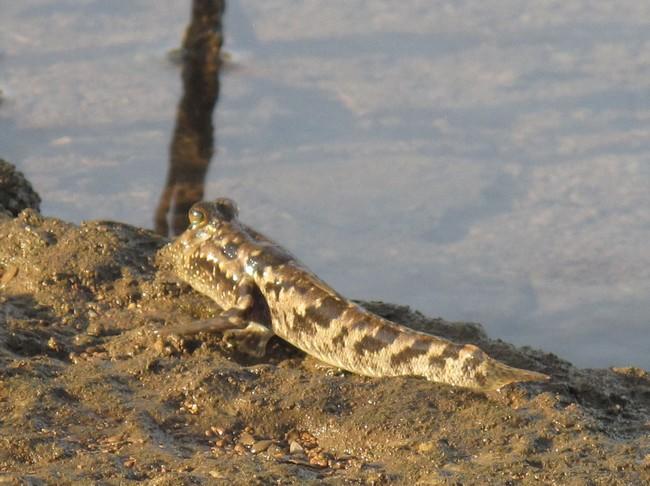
(114,439)
(276,451)
(246,439)
(9,273)
(292,435)
(261,446)
(53,344)
(218,430)
(295,448)
(308,439)
(426,447)
(319,460)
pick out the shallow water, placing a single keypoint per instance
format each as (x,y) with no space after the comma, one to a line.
(476,161)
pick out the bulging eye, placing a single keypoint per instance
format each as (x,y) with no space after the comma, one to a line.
(197,218)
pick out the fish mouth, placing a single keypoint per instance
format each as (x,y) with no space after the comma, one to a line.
(188,241)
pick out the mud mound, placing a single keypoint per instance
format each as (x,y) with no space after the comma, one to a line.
(88,391)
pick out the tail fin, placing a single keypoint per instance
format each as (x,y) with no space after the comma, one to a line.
(499,374)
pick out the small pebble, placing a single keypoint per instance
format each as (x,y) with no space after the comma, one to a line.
(246,439)
(292,435)
(261,446)
(113,439)
(9,273)
(308,439)
(319,460)
(295,448)
(53,344)
(239,449)
(275,451)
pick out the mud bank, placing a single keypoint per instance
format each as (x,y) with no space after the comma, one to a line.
(90,394)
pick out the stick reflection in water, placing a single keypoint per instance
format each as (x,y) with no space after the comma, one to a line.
(192,145)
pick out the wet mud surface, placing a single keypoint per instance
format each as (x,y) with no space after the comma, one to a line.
(90,393)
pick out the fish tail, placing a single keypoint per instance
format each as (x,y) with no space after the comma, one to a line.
(469,366)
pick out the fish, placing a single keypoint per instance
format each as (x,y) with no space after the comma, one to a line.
(265,291)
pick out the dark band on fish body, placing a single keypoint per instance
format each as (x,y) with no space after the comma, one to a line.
(407,355)
(471,364)
(303,326)
(338,341)
(451,350)
(325,311)
(272,290)
(370,344)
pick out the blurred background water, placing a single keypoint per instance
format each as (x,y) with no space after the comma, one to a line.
(485,161)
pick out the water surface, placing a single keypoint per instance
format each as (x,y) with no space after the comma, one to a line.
(479,161)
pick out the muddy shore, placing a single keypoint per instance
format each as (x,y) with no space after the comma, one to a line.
(90,394)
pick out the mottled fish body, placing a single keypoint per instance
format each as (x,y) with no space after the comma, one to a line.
(254,279)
